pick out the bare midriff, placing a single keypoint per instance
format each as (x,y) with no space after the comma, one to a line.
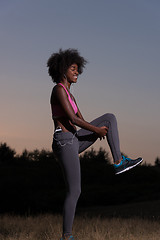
(65,124)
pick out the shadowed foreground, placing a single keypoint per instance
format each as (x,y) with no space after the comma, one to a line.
(108,223)
(33,183)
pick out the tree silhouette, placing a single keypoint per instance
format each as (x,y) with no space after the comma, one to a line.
(6,153)
(97,156)
(157,162)
(24,156)
(36,155)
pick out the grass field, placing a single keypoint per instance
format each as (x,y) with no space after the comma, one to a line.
(139,221)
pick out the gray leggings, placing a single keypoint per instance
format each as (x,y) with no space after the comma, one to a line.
(67,146)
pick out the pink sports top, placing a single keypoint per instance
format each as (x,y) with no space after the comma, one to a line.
(57,110)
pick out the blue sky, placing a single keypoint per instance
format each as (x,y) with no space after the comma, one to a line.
(121,41)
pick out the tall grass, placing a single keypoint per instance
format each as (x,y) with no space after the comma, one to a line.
(87,225)
(48,227)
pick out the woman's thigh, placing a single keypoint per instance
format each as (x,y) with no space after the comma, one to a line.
(65,148)
(87,138)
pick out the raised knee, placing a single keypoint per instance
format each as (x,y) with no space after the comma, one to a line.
(110,116)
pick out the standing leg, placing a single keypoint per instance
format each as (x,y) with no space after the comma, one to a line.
(66,150)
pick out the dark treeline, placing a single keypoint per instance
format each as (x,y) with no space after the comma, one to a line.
(33,182)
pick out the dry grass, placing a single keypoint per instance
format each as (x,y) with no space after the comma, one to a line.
(48,227)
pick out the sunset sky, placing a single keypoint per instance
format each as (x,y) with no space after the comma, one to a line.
(121,41)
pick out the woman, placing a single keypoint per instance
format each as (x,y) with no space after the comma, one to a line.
(64,68)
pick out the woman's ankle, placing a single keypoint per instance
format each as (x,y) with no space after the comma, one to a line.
(66,236)
(118,161)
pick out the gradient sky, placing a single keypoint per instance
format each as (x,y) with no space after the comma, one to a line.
(121,41)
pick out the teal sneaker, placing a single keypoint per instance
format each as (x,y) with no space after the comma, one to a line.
(126,164)
(68,238)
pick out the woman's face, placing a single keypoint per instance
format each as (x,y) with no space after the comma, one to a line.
(72,73)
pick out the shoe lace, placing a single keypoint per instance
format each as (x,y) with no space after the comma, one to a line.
(126,159)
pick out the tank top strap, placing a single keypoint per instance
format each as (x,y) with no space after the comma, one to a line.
(72,102)
(65,89)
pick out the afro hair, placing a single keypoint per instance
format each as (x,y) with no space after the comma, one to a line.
(59,62)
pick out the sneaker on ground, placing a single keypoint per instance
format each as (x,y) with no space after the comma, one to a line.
(68,238)
(126,164)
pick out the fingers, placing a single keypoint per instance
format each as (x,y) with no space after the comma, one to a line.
(105,128)
(102,138)
(103,132)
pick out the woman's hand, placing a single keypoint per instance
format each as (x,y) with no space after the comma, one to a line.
(101,132)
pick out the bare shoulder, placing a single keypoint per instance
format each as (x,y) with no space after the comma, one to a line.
(59,93)
(57,89)
(56,93)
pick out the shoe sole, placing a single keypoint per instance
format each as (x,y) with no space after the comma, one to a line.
(126,169)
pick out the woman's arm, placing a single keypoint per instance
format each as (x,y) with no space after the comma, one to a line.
(78,119)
